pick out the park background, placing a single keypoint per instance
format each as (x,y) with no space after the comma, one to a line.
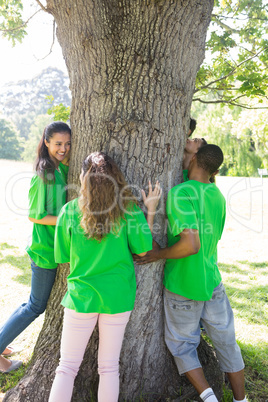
(30,88)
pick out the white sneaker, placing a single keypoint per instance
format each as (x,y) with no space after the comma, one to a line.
(15,364)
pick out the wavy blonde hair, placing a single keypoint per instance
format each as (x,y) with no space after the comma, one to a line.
(104,196)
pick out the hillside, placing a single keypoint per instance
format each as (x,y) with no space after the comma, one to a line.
(29,96)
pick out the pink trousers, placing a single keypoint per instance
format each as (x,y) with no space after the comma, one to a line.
(77,329)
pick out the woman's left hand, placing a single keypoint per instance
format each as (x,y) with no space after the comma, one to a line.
(152,199)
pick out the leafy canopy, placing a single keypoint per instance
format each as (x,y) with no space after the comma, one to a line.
(12,25)
(235,71)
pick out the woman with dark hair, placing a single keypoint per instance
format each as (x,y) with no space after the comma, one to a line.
(97,233)
(47,195)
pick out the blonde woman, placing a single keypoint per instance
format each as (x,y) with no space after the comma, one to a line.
(97,233)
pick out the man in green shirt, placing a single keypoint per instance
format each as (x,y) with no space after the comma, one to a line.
(193,291)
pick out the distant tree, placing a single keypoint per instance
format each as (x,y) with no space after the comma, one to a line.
(10,145)
(252,127)
(23,123)
(36,131)
(230,129)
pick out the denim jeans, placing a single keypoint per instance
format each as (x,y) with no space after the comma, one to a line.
(182,330)
(41,285)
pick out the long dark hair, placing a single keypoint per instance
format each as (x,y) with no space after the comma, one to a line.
(44,165)
(104,195)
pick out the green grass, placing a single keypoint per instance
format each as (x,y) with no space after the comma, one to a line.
(21,262)
(246,284)
(8,381)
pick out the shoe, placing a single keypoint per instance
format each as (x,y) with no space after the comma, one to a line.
(15,364)
(13,351)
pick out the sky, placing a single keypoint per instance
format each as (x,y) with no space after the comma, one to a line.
(24,60)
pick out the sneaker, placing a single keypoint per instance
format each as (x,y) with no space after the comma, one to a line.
(15,364)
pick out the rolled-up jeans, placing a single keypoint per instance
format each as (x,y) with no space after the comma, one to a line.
(182,330)
(76,332)
(41,285)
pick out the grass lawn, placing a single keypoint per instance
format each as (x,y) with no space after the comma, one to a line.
(246,284)
(243,261)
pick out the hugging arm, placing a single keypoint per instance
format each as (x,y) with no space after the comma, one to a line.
(188,244)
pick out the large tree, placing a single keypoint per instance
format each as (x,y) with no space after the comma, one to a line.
(132,68)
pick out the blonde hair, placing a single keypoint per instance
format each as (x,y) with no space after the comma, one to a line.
(104,196)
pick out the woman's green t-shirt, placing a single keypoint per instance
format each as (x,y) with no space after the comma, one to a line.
(102,276)
(45,199)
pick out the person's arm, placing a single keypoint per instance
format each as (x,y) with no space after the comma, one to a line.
(151,201)
(37,203)
(138,232)
(62,244)
(188,244)
(47,220)
(142,254)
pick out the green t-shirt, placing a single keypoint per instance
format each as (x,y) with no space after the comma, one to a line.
(102,276)
(195,205)
(185,175)
(45,199)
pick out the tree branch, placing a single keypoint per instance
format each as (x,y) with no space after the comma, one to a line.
(216,19)
(53,42)
(229,103)
(41,5)
(21,26)
(240,19)
(231,72)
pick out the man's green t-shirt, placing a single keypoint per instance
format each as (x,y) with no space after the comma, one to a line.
(102,276)
(195,205)
(45,199)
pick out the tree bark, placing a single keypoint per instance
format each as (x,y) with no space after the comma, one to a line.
(132,68)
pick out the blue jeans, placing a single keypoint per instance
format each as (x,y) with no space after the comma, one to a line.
(41,285)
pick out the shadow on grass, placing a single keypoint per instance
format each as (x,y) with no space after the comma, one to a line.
(4,246)
(256,267)
(249,300)
(21,262)
(255,264)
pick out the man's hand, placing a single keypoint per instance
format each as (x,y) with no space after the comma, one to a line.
(151,256)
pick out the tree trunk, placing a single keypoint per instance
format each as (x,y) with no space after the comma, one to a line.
(132,68)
